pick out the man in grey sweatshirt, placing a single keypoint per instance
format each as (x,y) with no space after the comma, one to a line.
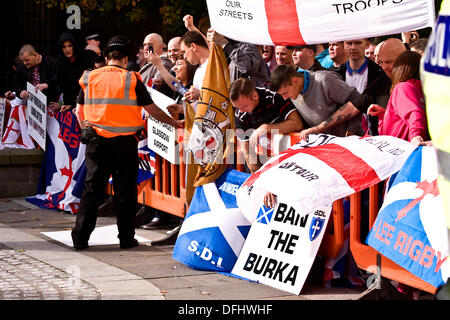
(316,95)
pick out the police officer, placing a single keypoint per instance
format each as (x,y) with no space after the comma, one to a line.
(109,111)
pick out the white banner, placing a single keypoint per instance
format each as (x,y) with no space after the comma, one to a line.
(162,138)
(294,22)
(323,169)
(282,245)
(37,115)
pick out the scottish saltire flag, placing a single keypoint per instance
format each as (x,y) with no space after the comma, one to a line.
(410,228)
(63,172)
(214,229)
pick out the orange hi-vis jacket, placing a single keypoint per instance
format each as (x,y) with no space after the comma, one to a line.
(110,102)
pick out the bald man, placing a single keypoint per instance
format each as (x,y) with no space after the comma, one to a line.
(37,69)
(149,73)
(377,93)
(173,49)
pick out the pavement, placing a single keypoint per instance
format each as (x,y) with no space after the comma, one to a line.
(36,267)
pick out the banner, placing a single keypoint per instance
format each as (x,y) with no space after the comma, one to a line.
(162,138)
(15,133)
(296,22)
(214,229)
(324,169)
(410,228)
(146,162)
(205,134)
(282,245)
(63,172)
(37,115)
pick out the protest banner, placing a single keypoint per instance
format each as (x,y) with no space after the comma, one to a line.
(410,228)
(2,115)
(37,115)
(16,130)
(297,22)
(162,138)
(282,245)
(323,169)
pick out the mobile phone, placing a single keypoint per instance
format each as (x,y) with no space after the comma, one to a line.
(150,48)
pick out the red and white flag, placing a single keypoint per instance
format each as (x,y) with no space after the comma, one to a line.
(324,169)
(296,22)
(15,133)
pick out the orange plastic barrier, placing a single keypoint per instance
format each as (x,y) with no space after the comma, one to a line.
(366,257)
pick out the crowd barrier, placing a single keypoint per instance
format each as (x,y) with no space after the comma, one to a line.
(368,258)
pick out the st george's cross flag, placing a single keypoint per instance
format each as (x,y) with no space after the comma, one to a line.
(410,228)
(15,130)
(323,169)
(214,229)
(298,22)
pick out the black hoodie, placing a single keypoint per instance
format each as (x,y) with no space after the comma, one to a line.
(70,72)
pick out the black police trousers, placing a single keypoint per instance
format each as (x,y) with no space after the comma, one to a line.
(118,157)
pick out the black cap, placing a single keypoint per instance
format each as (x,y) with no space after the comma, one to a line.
(309,46)
(118,43)
(95,36)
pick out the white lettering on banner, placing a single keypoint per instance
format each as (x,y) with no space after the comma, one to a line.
(229,188)
(281,246)
(37,115)
(206,254)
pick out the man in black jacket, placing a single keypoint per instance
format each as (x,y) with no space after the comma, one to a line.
(39,70)
(360,72)
(72,63)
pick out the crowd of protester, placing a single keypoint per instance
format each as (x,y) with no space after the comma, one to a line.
(351,87)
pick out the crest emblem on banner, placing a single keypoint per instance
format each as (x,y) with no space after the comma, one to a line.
(316,227)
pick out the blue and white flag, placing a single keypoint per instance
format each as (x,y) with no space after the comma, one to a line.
(63,171)
(214,230)
(410,228)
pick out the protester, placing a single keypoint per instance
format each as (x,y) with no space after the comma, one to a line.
(93,43)
(323,55)
(72,63)
(283,55)
(258,112)
(404,116)
(268,54)
(111,146)
(419,46)
(196,51)
(303,58)
(184,76)
(140,58)
(338,54)
(322,88)
(245,59)
(153,42)
(39,70)
(370,51)
(377,93)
